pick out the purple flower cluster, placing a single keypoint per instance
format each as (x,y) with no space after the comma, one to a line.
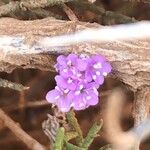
(78,80)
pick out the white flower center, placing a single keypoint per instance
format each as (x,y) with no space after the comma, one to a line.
(88,97)
(79,75)
(72,104)
(73,71)
(66,91)
(81,104)
(57,88)
(69,63)
(97,65)
(95,91)
(65,70)
(98,73)
(81,87)
(69,80)
(104,73)
(94,77)
(77,92)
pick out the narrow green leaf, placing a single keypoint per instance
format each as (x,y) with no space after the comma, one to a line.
(70,146)
(70,135)
(75,125)
(91,135)
(59,141)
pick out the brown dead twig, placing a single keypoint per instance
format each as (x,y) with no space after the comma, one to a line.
(25,5)
(50,128)
(39,103)
(120,139)
(106,17)
(70,13)
(22,135)
(143,1)
(15,86)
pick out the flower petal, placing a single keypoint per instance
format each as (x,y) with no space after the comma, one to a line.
(62,60)
(92,98)
(100,79)
(52,96)
(64,104)
(88,76)
(81,64)
(72,58)
(106,68)
(61,82)
(79,102)
(98,58)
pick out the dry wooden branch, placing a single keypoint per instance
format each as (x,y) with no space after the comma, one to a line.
(130,59)
(24,5)
(107,17)
(70,13)
(15,86)
(35,104)
(22,135)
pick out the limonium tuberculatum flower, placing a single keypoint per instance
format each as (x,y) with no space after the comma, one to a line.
(78,80)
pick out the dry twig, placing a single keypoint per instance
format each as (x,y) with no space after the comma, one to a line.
(24,5)
(70,13)
(15,86)
(22,135)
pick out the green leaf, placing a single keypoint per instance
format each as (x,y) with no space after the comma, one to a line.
(75,125)
(70,146)
(70,135)
(59,141)
(91,135)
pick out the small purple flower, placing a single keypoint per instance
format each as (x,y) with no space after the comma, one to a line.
(84,96)
(67,65)
(98,68)
(66,82)
(60,98)
(82,62)
(78,80)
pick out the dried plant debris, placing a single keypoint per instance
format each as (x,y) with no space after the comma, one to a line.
(15,86)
